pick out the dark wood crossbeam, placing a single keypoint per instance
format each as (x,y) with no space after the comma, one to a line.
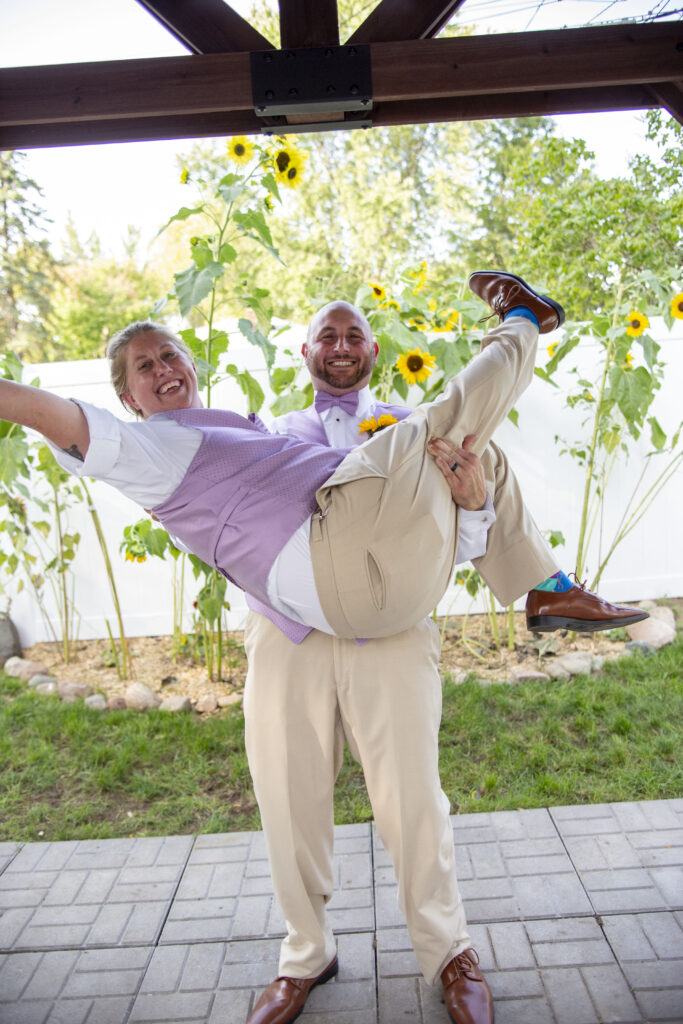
(244,122)
(206,26)
(171,91)
(306,23)
(670,95)
(393,20)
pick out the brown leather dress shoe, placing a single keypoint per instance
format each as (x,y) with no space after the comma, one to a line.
(577,609)
(466,994)
(284,998)
(502,292)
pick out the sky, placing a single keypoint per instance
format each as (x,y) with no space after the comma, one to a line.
(105,188)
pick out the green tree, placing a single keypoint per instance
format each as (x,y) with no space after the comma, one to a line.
(543,211)
(97,295)
(27,267)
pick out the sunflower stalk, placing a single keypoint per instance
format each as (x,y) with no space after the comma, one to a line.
(122,665)
(592,450)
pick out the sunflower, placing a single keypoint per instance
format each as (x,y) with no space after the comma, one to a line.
(240,149)
(637,322)
(677,306)
(289,164)
(368,426)
(389,304)
(372,425)
(629,362)
(378,292)
(448,319)
(551,349)
(415,365)
(184,175)
(420,277)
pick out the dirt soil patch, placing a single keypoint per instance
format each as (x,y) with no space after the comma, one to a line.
(472,652)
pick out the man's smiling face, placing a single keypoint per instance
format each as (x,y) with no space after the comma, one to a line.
(340,353)
(160,376)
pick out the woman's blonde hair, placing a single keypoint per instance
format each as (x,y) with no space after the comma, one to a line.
(116,353)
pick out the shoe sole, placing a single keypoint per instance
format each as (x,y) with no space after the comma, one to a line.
(546,298)
(549,623)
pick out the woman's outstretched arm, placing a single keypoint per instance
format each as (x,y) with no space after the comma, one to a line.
(57,419)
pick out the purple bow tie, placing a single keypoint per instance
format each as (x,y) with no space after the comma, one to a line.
(348,402)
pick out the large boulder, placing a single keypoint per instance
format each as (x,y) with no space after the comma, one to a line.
(9,640)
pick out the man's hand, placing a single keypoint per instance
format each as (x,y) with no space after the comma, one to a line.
(466,481)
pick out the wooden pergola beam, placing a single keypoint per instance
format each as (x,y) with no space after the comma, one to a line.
(206,26)
(245,122)
(117,93)
(393,20)
(306,23)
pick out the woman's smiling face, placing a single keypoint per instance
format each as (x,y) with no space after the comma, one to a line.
(160,376)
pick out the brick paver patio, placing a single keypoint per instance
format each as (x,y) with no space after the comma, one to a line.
(577,914)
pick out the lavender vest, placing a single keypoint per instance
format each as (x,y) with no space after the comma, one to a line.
(306,425)
(244,494)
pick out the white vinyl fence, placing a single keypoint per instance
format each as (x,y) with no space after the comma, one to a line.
(649,564)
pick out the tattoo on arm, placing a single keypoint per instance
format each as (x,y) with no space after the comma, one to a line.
(74,453)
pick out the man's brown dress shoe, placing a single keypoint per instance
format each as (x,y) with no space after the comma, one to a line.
(502,292)
(577,609)
(466,994)
(284,998)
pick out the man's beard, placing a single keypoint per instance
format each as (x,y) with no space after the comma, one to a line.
(342,379)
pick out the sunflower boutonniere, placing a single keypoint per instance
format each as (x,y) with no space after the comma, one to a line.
(373,426)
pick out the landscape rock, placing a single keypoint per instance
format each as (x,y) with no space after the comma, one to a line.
(71,692)
(22,669)
(556,671)
(528,673)
(140,697)
(176,703)
(9,640)
(206,705)
(576,663)
(96,701)
(637,647)
(658,630)
(229,698)
(47,689)
(35,681)
(116,703)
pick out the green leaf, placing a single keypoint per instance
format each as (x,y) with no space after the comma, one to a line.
(253,224)
(11,367)
(294,399)
(513,415)
(252,389)
(156,542)
(183,213)
(227,253)
(256,337)
(556,538)
(193,285)
(657,434)
(282,378)
(230,192)
(13,453)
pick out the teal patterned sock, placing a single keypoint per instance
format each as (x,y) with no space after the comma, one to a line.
(558,582)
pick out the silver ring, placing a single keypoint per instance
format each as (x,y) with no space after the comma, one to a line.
(454,467)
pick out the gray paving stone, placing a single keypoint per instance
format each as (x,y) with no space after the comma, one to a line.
(8,852)
(649,948)
(63,986)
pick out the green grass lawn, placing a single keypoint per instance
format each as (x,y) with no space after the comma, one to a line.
(72,773)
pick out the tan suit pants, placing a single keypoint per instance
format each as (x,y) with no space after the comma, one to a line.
(384,698)
(383,545)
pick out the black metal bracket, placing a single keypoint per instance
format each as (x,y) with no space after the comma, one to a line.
(320,80)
